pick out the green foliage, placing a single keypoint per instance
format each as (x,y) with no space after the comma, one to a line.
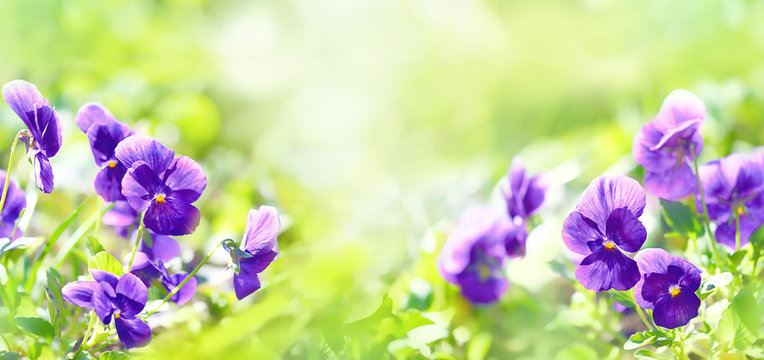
(681,219)
(740,322)
(37,327)
(106,262)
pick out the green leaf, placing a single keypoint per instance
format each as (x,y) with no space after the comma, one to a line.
(113,355)
(9,355)
(95,245)
(104,261)
(36,326)
(625,298)
(682,219)
(479,345)
(714,282)
(644,354)
(737,257)
(740,322)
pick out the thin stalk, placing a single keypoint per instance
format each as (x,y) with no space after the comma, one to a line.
(137,241)
(87,335)
(10,166)
(640,313)
(707,220)
(177,288)
(737,230)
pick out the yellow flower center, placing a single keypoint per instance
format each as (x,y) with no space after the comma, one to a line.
(116,315)
(609,245)
(485,273)
(740,211)
(675,291)
(112,164)
(159,199)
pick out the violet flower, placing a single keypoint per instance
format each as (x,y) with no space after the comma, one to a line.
(258,249)
(104,132)
(162,185)
(114,298)
(667,285)
(44,137)
(474,253)
(15,201)
(523,196)
(149,262)
(604,224)
(733,188)
(664,146)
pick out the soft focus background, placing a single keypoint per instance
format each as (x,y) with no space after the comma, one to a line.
(371,125)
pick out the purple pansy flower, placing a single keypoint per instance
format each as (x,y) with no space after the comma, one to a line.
(474,254)
(523,196)
(605,223)
(149,262)
(104,133)
(44,137)
(257,250)
(667,285)
(114,298)
(733,186)
(161,184)
(664,146)
(15,201)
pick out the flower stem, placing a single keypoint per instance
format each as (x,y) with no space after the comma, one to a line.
(737,231)
(10,166)
(87,335)
(641,314)
(177,288)
(707,220)
(137,241)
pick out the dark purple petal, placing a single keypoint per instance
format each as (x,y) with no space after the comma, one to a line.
(50,139)
(92,113)
(105,276)
(654,288)
(673,184)
(679,107)
(578,231)
(108,183)
(659,261)
(479,290)
(259,261)
(726,231)
(131,295)
(143,148)
(43,173)
(261,230)
(140,185)
(104,139)
(673,312)
(516,175)
(535,194)
(245,283)
(715,183)
(15,201)
(172,218)
(514,240)
(625,230)
(185,174)
(185,293)
(144,268)
(690,274)
(133,332)
(607,193)
(36,113)
(103,302)
(79,293)
(607,269)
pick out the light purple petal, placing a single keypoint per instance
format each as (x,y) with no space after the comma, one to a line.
(108,183)
(103,302)
(673,185)
(121,214)
(131,295)
(143,148)
(140,185)
(578,231)
(144,269)
(673,312)
(683,131)
(43,173)
(79,293)
(91,113)
(626,230)
(261,230)
(653,260)
(680,106)
(748,175)
(185,293)
(172,218)
(164,248)
(715,184)
(652,160)
(133,332)
(185,176)
(104,276)
(607,193)
(475,225)
(726,230)
(25,99)
(607,269)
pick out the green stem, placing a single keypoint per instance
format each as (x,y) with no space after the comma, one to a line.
(737,230)
(87,335)
(177,288)
(10,166)
(640,313)
(707,220)
(137,241)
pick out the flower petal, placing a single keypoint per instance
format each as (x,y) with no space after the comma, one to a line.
(626,230)
(79,293)
(261,230)
(104,276)
(131,295)
(726,231)
(144,269)
(108,183)
(164,248)
(514,240)
(607,193)
(673,312)
(653,260)
(143,148)
(43,173)
(680,106)
(535,194)
(607,269)
(245,283)
(186,177)
(672,185)
(133,332)
(172,218)
(258,262)
(652,160)
(655,286)
(92,113)
(482,290)
(185,293)
(476,225)
(140,185)
(578,231)
(15,201)
(103,140)
(103,302)
(121,214)
(25,99)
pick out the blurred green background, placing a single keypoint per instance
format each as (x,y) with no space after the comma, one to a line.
(371,125)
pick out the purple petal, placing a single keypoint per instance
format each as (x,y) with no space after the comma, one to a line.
(259,261)
(164,248)
(535,194)
(652,160)
(482,290)
(749,177)
(185,293)
(674,184)
(607,269)
(108,183)
(514,240)
(653,260)
(79,293)
(626,230)
(36,113)
(655,286)
(43,173)
(261,230)
(186,177)
(131,295)
(140,185)
(679,107)
(172,218)
(726,231)
(15,201)
(133,332)
(673,312)
(144,269)
(121,214)
(143,148)
(607,193)
(245,283)
(104,276)
(715,183)
(683,131)
(103,302)
(578,231)
(92,113)
(103,140)
(477,224)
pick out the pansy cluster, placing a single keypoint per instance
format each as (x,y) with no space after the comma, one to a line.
(151,193)
(475,252)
